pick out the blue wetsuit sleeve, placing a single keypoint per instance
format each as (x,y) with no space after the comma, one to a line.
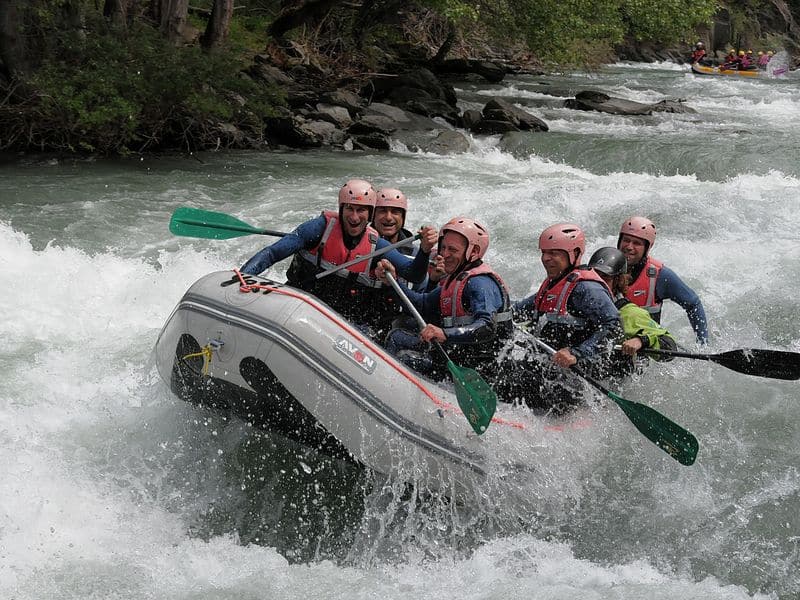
(593,303)
(305,235)
(413,270)
(484,298)
(670,287)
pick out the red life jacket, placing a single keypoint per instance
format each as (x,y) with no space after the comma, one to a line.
(331,252)
(697,55)
(642,292)
(552,302)
(451,307)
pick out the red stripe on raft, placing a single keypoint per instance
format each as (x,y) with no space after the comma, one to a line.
(244,287)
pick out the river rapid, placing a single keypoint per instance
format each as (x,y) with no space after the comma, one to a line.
(110,487)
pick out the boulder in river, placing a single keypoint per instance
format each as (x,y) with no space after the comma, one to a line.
(591,100)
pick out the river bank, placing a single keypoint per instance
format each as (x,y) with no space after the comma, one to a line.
(94,82)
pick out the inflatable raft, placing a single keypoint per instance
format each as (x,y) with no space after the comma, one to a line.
(286,362)
(704,70)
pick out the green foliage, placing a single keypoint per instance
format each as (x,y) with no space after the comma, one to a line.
(570,32)
(563,31)
(113,93)
(458,11)
(666,21)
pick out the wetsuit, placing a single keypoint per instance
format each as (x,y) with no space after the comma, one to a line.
(352,292)
(652,283)
(576,311)
(472,308)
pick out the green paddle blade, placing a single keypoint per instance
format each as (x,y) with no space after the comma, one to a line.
(476,399)
(667,435)
(198,223)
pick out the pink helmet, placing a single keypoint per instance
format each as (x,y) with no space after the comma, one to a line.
(474,232)
(358,191)
(564,236)
(641,228)
(392,198)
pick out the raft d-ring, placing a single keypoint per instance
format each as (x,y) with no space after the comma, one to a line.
(207,352)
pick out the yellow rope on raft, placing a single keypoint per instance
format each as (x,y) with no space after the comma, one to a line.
(207,352)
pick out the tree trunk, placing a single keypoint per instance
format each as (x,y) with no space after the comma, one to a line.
(173,18)
(115,11)
(295,17)
(446,44)
(13,60)
(786,13)
(218,24)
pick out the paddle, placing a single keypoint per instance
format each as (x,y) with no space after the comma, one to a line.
(664,433)
(475,397)
(195,222)
(774,364)
(376,253)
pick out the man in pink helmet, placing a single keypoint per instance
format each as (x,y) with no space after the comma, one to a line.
(652,282)
(335,238)
(390,216)
(573,312)
(389,220)
(469,312)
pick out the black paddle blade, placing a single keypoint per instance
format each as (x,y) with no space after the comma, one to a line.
(664,433)
(775,364)
(476,398)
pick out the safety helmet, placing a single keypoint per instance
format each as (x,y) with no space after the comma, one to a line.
(770,53)
(741,52)
(641,228)
(564,236)
(609,261)
(476,235)
(392,198)
(358,191)
(760,53)
(750,51)
(699,45)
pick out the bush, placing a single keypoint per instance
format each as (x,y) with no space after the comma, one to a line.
(118,92)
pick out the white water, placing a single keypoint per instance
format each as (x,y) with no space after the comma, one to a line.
(111,488)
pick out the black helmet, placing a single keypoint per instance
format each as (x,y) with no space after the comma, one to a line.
(609,261)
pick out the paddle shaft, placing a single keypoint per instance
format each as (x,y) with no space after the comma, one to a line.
(243,229)
(371,255)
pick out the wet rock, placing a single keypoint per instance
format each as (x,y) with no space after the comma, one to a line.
(499,109)
(326,133)
(372,123)
(490,71)
(375,141)
(418,91)
(338,115)
(592,100)
(673,106)
(448,142)
(470,118)
(434,108)
(491,127)
(290,130)
(349,100)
